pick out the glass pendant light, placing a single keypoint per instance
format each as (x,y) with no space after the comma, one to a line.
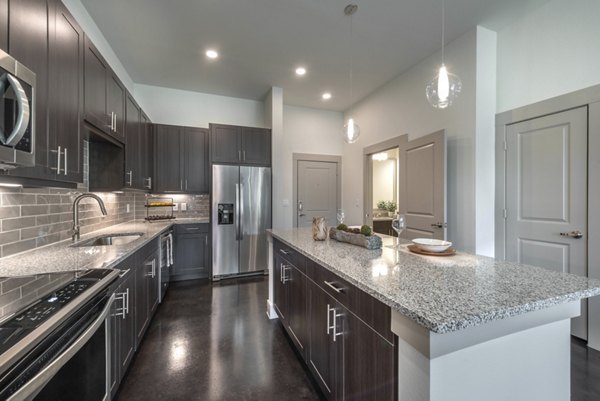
(351,130)
(445,87)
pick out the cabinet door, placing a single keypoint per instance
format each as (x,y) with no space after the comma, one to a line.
(28,43)
(324,354)
(141,301)
(369,373)
(280,293)
(297,295)
(114,327)
(196,160)
(151,265)
(127,323)
(256,146)
(167,163)
(66,91)
(190,257)
(4,25)
(132,145)
(116,107)
(95,71)
(146,152)
(225,143)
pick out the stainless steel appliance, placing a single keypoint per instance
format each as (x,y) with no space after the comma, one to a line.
(241,214)
(165,262)
(60,344)
(17,114)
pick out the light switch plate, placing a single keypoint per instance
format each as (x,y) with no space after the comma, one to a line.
(183,206)
(175,207)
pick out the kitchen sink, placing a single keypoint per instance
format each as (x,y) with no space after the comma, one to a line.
(110,239)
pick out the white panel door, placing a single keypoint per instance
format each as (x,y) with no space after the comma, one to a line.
(546,195)
(423,186)
(317,192)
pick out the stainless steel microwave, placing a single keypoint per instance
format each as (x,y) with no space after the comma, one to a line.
(17,114)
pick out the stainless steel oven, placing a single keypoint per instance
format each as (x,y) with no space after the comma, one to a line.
(17,113)
(70,361)
(165,263)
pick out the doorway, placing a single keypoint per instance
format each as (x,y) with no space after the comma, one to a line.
(316,188)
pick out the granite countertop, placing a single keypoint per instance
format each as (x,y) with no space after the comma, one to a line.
(383,218)
(61,256)
(442,294)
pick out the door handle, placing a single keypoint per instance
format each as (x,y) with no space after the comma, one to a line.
(300,209)
(58,159)
(331,285)
(573,234)
(241,211)
(66,162)
(24,112)
(439,225)
(237,212)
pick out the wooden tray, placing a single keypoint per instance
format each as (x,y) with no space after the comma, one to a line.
(416,249)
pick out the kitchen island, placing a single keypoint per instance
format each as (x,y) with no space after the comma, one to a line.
(466,327)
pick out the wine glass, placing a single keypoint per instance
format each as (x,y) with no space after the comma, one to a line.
(340,216)
(399,224)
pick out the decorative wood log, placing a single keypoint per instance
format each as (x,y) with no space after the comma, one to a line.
(371,242)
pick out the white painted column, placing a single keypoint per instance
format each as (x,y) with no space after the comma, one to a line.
(274,120)
(523,358)
(594,222)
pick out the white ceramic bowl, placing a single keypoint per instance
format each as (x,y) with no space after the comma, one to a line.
(432,245)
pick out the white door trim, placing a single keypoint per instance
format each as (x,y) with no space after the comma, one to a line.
(297,157)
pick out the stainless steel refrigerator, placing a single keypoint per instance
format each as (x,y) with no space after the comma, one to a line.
(241,214)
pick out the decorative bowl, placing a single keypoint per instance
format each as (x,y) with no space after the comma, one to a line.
(432,245)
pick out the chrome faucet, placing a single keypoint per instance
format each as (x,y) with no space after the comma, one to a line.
(76,228)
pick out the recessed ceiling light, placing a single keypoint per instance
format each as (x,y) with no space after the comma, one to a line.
(210,53)
(300,71)
(326,96)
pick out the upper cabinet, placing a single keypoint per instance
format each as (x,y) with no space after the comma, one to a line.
(132,145)
(146,153)
(4,25)
(231,144)
(66,91)
(181,159)
(95,72)
(116,107)
(196,166)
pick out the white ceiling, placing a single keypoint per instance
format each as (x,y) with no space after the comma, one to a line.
(262,41)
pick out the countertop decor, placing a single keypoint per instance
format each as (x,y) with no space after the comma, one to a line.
(369,242)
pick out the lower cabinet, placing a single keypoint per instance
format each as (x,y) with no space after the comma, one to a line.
(136,299)
(191,254)
(341,332)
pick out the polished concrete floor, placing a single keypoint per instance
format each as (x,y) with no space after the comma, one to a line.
(215,343)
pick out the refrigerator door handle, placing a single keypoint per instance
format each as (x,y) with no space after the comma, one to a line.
(241,211)
(237,212)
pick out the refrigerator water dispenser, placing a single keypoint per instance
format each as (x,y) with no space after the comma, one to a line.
(225,211)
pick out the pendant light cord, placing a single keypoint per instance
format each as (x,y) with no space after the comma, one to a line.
(443,28)
(351,65)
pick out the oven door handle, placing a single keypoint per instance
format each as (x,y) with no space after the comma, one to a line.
(24,111)
(37,383)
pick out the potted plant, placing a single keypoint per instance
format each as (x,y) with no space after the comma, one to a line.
(391,207)
(382,205)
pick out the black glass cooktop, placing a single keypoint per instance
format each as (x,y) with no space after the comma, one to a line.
(54,291)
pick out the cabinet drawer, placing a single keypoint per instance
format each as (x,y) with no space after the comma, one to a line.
(372,311)
(290,255)
(194,228)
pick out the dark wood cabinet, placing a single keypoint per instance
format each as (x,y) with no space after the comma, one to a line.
(116,107)
(142,308)
(231,144)
(195,159)
(180,159)
(384,227)
(95,102)
(167,163)
(132,146)
(324,354)
(4,25)
(280,292)
(256,146)
(66,54)
(191,252)
(342,333)
(146,154)
(126,322)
